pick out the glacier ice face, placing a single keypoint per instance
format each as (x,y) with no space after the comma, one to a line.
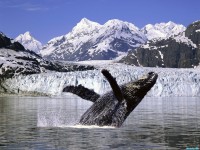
(170,82)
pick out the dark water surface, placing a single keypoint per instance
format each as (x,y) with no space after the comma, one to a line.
(47,123)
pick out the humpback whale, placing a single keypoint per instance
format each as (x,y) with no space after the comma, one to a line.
(112,108)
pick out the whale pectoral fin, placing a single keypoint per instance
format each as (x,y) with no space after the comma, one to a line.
(83,92)
(113,83)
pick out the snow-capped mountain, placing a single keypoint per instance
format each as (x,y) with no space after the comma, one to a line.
(162,30)
(2,34)
(90,40)
(177,51)
(16,60)
(29,42)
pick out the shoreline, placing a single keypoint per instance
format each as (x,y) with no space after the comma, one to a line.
(24,95)
(67,94)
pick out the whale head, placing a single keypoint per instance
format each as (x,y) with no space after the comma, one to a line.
(134,92)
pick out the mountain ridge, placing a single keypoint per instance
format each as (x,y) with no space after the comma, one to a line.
(16,60)
(89,40)
(178,51)
(162,30)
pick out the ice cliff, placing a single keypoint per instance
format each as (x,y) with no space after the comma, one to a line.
(171,82)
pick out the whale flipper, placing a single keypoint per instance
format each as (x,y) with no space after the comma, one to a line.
(83,92)
(113,83)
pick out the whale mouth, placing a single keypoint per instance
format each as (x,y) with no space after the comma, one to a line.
(147,83)
(141,86)
(138,89)
(152,76)
(151,73)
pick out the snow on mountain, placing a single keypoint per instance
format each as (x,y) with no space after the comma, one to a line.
(181,38)
(85,26)
(162,30)
(14,62)
(171,82)
(174,52)
(90,40)
(2,34)
(180,50)
(67,44)
(29,42)
(123,30)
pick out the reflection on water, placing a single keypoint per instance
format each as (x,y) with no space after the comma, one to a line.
(47,123)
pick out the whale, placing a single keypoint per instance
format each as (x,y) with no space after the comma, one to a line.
(113,107)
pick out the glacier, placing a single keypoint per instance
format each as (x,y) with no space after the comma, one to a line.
(170,82)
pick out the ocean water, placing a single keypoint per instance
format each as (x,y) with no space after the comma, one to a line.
(49,123)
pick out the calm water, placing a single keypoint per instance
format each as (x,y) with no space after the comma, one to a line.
(47,123)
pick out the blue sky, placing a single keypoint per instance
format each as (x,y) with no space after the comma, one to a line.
(46,19)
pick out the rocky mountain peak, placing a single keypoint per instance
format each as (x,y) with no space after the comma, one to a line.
(180,50)
(162,30)
(119,24)
(90,40)
(85,21)
(27,35)
(29,42)
(85,25)
(193,32)
(6,42)
(2,34)
(114,22)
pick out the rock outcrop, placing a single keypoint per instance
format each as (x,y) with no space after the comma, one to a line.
(179,51)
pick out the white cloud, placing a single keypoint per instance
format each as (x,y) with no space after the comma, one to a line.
(22,4)
(35,8)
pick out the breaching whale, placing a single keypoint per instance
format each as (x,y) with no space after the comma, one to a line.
(112,108)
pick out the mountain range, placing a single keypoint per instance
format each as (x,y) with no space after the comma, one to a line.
(160,45)
(90,40)
(16,60)
(166,45)
(179,51)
